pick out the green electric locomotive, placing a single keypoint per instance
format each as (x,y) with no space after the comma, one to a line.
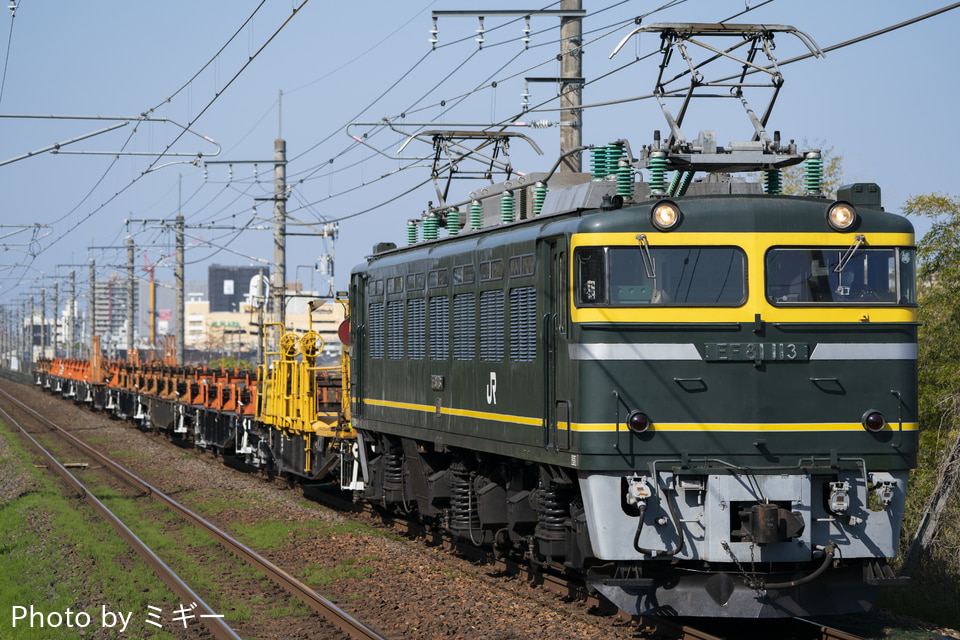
(706,404)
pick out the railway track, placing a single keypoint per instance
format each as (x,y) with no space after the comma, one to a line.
(571,587)
(337,618)
(645,627)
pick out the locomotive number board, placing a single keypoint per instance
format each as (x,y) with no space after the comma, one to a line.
(756,351)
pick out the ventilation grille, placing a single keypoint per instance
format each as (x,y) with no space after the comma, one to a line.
(491,326)
(375,314)
(523,324)
(417,329)
(395,330)
(440,328)
(464,327)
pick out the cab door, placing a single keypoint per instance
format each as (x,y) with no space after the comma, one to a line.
(358,314)
(552,254)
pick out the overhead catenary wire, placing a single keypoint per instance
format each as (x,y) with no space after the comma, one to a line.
(407,73)
(458,99)
(781,63)
(487,84)
(14,5)
(216,55)
(153,164)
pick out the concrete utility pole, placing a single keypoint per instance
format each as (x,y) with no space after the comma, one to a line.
(56,312)
(30,337)
(73,314)
(129,294)
(92,301)
(23,335)
(43,322)
(280,229)
(178,276)
(571,92)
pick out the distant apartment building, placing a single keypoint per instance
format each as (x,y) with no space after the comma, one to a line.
(110,311)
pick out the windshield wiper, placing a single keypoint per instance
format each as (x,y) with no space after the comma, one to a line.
(646,258)
(849,254)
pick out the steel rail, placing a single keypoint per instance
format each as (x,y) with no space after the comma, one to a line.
(823,632)
(329,611)
(208,618)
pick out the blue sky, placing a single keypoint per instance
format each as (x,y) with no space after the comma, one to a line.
(885,105)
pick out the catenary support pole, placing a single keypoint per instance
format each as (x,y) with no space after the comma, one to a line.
(571,92)
(129,295)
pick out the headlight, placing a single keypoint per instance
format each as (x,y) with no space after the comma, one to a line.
(665,215)
(841,216)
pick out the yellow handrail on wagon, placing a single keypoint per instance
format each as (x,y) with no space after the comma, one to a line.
(288,398)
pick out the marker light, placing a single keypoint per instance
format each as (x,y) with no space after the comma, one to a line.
(665,215)
(841,216)
(638,422)
(874,421)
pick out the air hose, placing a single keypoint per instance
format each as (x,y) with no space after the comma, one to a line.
(829,552)
(655,552)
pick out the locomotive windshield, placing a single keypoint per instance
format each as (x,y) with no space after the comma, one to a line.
(832,275)
(666,276)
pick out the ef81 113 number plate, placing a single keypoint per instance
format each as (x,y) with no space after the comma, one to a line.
(756,351)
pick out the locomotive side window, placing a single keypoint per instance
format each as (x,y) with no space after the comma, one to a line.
(664,276)
(463,274)
(491,270)
(522,266)
(437,278)
(395,285)
(416,281)
(591,276)
(840,275)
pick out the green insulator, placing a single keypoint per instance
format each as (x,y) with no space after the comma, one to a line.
(411,232)
(771,180)
(614,153)
(685,181)
(598,162)
(476,215)
(430,225)
(625,179)
(453,222)
(674,183)
(539,196)
(657,165)
(813,172)
(507,207)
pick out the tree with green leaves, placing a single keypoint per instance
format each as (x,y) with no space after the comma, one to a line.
(933,506)
(938,289)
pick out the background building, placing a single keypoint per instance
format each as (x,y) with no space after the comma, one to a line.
(230,287)
(110,310)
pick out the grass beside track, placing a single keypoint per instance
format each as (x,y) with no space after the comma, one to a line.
(56,553)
